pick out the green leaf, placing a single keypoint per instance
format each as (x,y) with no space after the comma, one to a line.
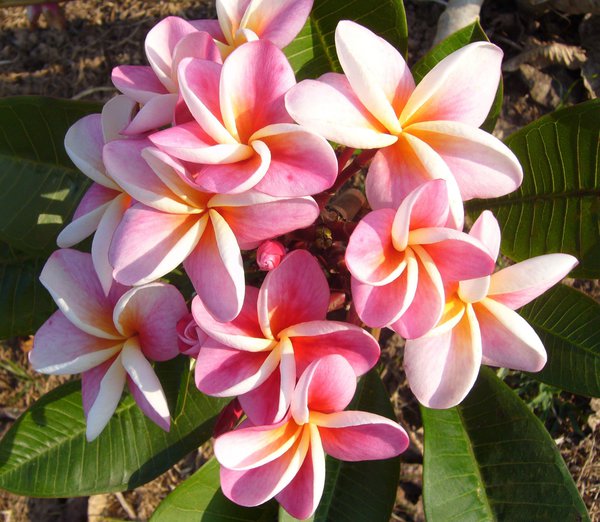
(200,498)
(557,208)
(40,185)
(24,302)
(491,459)
(312,53)
(567,322)
(471,33)
(45,453)
(362,491)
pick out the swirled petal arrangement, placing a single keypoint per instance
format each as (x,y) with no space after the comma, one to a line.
(213,150)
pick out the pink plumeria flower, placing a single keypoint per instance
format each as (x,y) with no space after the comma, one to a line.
(399,259)
(111,339)
(190,336)
(242,136)
(173,222)
(424,132)
(241,21)
(156,87)
(479,325)
(105,202)
(269,255)
(279,332)
(287,460)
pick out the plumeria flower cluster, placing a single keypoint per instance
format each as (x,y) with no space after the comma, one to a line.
(213,149)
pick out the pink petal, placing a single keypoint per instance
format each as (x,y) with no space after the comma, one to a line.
(507,340)
(456,255)
(61,348)
(487,231)
(459,88)
(473,290)
(301,497)
(377,72)
(225,372)
(211,27)
(327,385)
(139,257)
(358,435)
(330,108)
(315,339)
(278,21)
(200,45)
(70,278)
(254,80)
(441,369)
(230,14)
(255,217)
(146,407)
(426,307)
(156,112)
(371,256)
(151,312)
(518,284)
(301,163)
(241,333)
(84,142)
(299,275)
(216,263)
(116,115)
(142,374)
(138,82)
(102,388)
(199,85)
(483,166)
(160,46)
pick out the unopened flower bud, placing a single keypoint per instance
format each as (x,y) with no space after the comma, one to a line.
(269,255)
(190,337)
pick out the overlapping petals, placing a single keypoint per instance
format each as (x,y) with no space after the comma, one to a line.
(424,132)
(286,460)
(279,332)
(480,326)
(110,338)
(242,136)
(399,260)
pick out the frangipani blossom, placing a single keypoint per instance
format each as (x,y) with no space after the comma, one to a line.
(156,87)
(479,325)
(399,260)
(424,132)
(242,136)
(105,202)
(174,222)
(109,338)
(286,460)
(279,332)
(241,21)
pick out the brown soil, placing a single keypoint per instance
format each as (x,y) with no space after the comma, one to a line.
(76,63)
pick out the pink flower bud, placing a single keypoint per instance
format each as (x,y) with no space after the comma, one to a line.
(190,337)
(269,255)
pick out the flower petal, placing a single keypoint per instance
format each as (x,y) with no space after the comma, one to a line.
(216,263)
(299,275)
(138,82)
(487,231)
(518,284)
(376,71)
(199,44)
(60,348)
(70,278)
(358,435)
(139,257)
(146,407)
(441,369)
(459,88)
(330,108)
(116,115)
(155,113)
(507,340)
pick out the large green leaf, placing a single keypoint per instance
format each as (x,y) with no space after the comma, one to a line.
(466,35)
(200,498)
(312,53)
(40,185)
(24,302)
(557,208)
(568,322)
(45,453)
(491,459)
